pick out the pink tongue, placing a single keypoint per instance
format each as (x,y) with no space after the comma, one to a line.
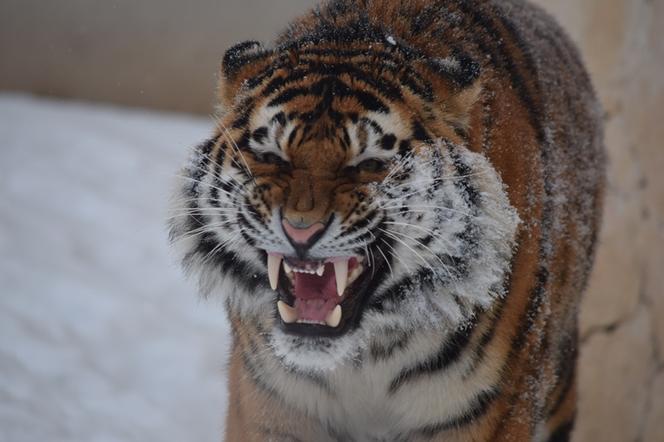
(315,296)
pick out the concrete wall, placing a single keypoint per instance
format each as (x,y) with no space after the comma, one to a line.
(164,54)
(148,53)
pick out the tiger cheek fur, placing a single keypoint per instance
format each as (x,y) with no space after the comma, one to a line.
(400,212)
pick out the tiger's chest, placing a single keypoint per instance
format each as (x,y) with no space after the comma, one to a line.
(398,398)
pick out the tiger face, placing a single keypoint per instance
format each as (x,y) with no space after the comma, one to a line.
(338,201)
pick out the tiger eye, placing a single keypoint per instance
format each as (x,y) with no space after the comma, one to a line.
(372,166)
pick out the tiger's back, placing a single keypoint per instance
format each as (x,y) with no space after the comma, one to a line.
(521,104)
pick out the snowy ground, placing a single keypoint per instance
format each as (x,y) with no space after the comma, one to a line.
(101,338)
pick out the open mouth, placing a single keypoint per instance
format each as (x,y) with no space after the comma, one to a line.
(318,297)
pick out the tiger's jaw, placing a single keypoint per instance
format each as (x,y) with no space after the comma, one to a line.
(318,298)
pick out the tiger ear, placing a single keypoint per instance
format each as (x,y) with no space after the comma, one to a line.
(241,63)
(458,86)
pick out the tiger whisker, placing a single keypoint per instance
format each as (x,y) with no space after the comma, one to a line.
(441,179)
(395,254)
(393,236)
(194,180)
(231,141)
(428,231)
(396,209)
(433,254)
(223,244)
(193,213)
(207,228)
(223,204)
(380,250)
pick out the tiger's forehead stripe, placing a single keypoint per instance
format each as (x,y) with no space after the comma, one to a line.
(366,77)
(315,95)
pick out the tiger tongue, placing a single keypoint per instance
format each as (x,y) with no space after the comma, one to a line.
(315,296)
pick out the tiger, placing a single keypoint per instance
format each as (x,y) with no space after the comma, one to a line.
(399,207)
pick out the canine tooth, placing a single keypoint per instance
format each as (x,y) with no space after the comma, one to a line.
(334,318)
(341,274)
(288,314)
(357,271)
(273,264)
(287,268)
(320,270)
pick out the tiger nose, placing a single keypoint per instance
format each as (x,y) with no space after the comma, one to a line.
(301,233)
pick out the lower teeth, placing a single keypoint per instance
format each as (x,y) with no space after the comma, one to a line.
(289,315)
(309,321)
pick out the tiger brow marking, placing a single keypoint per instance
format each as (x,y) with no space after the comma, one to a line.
(260,134)
(386,87)
(375,126)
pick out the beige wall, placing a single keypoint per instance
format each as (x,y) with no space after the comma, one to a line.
(149,53)
(165,53)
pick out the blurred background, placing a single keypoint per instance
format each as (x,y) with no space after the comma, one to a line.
(102,339)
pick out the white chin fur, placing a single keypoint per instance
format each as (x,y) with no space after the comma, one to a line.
(315,354)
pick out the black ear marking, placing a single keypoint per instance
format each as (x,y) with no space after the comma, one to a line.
(238,56)
(459,68)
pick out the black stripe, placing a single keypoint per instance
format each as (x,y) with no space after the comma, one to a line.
(288,94)
(199,169)
(387,88)
(404,148)
(529,97)
(530,315)
(419,132)
(317,379)
(243,112)
(253,82)
(382,351)
(368,218)
(563,433)
(477,408)
(328,88)
(252,214)
(370,102)
(526,323)
(273,85)
(260,134)
(397,291)
(292,135)
(488,334)
(388,141)
(448,354)
(228,262)
(566,368)
(256,372)
(462,181)
(279,118)
(501,58)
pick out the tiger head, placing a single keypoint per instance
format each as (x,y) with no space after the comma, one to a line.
(338,202)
